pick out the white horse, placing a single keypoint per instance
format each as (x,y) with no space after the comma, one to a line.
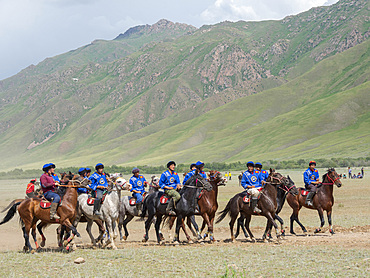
(128,212)
(109,213)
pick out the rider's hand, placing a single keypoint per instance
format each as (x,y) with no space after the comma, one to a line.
(178,186)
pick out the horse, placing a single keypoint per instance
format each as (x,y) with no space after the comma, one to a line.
(30,212)
(267,203)
(154,208)
(280,199)
(127,212)
(110,213)
(323,200)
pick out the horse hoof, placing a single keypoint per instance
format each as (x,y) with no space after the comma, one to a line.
(124,238)
(199,237)
(114,248)
(190,241)
(42,244)
(176,242)
(205,235)
(253,239)
(212,239)
(145,239)
(331,231)
(292,233)
(283,232)
(318,230)
(161,236)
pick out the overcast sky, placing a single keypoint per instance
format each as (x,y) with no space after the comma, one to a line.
(32,30)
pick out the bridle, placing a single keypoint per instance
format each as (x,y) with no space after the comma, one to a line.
(282,186)
(332,182)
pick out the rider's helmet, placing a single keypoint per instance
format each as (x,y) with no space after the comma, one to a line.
(250,163)
(199,164)
(99,166)
(135,170)
(52,165)
(171,163)
(258,164)
(312,162)
(33,180)
(120,181)
(192,165)
(46,167)
(81,171)
(88,170)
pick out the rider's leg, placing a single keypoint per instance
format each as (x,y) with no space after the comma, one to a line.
(55,199)
(253,203)
(139,202)
(310,195)
(175,196)
(97,201)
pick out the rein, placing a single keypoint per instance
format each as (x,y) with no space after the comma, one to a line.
(330,179)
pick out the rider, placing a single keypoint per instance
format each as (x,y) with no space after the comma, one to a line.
(199,165)
(30,191)
(98,184)
(311,180)
(251,182)
(138,182)
(82,173)
(88,172)
(54,176)
(263,173)
(48,187)
(170,182)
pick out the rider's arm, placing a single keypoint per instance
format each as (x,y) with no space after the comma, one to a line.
(306,178)
(162,182)
(243,182)
(47,182)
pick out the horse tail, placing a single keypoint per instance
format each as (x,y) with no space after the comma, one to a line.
(10,205)
(224,212)
(11,212)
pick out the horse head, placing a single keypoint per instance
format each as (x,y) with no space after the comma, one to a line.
(277,179)
(333,177)
(292,188)
(200,181)
(121,183)
(217,177)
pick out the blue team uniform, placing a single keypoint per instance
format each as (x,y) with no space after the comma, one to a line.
(310,176)
(263,175)
(251,179)
(137,184)
(56,178)
(168,179)
(98,180)
(191,173)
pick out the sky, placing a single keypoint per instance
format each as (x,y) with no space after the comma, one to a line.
(32,30)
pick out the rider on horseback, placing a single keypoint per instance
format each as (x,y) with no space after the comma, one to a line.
(48,187)
(99,185)
(311,181)
(263,173)
(199,165)
(82,173)
(170,182)
(251,182)
(138,182)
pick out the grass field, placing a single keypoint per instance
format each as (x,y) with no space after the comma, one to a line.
(346,254)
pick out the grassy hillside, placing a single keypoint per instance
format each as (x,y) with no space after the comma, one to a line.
(168,90)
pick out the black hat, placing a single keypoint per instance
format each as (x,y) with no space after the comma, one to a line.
(192,165)
(170,163)
(250,163)
(99,166)
(312,162)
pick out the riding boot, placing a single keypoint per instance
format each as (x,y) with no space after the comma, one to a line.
(170,210)
(197,209)
(53,211)
(309,198)
(139,207)
(97,207)
(254,207)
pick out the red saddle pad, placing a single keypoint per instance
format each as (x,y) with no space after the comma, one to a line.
(45,204)
(164,200)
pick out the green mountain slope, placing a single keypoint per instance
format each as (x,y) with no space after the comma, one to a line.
(168,90)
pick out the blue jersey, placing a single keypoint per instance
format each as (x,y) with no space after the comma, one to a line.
(263,175)
(98,180)
(310,176)
(191,173)
(251,179)
(137,183)
(55,177)
(168,179)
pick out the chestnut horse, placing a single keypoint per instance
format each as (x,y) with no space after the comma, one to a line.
(30,212)
(323,200)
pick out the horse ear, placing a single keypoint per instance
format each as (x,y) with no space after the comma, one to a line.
(271,170)
(70,173)
(196,171)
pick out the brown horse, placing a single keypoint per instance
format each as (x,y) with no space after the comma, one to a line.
(267,203)
(30,212)
(323,200)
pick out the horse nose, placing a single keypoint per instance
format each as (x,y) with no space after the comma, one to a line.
(339,184)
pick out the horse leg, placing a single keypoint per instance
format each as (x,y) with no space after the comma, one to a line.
(211,220)
(120,223)
(33,232)
(43,238)
(329,220)
(69,225)
(157,226)
(231,225)
(190,221)
(88,230)
(101,230)
(27,244)
(322,220)
(247,222)
(294,217)
(110,240)
(148,222)
(210,229)
(177,230)
(124,223)
(185,232)
(278,218)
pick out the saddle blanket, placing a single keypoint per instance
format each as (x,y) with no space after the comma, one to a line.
(246,199)
(164,200)
(44,204)
(90,200)
(132,201)
(304,192)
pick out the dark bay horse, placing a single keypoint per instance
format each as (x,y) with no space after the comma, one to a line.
(267,203)
(323,200)
(282,192)
(30,212)
(153,207)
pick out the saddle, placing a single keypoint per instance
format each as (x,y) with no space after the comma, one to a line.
(247,197)
(132,200)
(164,200)
(304,192)
(45,204)
(90,200)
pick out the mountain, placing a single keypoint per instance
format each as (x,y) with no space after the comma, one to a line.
(224,92)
